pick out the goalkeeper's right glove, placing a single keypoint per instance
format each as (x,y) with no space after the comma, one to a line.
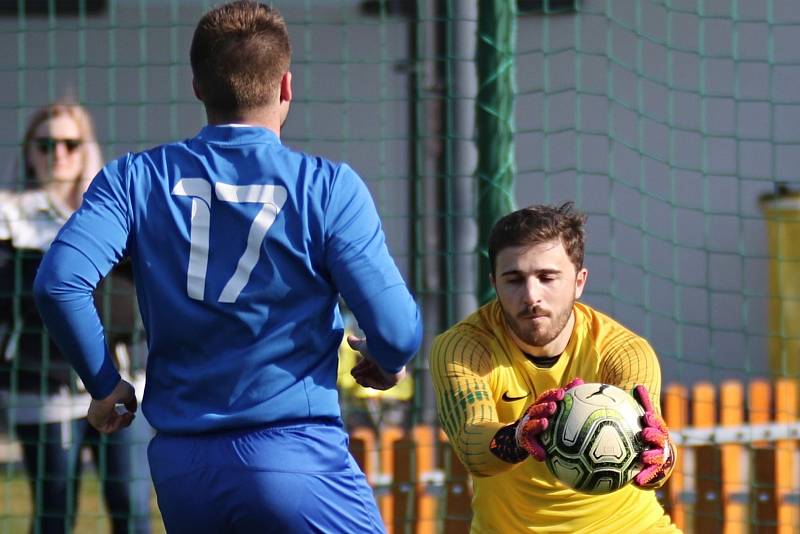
(658,458)
(537,419)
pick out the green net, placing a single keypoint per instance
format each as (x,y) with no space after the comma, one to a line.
(666,121)
(672,123)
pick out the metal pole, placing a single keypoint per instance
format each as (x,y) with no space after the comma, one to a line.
(497,32)
(426,146)
(462,158)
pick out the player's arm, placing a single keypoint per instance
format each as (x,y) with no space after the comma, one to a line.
(85,250)
(631,364)
(367,277)
(461,367)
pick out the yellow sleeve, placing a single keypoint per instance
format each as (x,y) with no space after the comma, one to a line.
(461,367)
(629,361)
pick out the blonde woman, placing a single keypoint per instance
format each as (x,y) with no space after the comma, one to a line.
(47,404)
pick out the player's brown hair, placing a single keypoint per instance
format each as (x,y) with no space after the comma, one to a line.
(239,53)
(540,224)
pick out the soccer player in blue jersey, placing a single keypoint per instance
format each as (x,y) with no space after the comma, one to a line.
(240,249)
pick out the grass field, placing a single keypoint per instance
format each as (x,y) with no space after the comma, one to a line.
(15,505)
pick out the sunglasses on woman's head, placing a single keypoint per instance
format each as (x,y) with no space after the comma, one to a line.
(47,145)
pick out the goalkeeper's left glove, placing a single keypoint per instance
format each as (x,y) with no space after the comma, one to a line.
(658,458)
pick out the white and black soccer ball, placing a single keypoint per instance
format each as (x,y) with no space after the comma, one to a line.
(593,441)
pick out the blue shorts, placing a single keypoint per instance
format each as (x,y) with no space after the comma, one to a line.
(295,478)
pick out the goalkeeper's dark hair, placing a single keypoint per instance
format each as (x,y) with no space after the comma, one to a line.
(239,54)
(540,224)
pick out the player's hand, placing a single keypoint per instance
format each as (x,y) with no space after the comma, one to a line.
(658,458)
(537,419)
(367,372)
(103,414)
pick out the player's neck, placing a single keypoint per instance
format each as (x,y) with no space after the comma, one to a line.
(265,117)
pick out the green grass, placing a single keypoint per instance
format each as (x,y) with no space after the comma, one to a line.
(15,505)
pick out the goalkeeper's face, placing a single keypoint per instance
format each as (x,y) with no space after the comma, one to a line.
(537,286)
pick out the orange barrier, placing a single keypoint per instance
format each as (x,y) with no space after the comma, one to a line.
(672,402)
(737,486)
(457,494)
(731,488)
(407,472)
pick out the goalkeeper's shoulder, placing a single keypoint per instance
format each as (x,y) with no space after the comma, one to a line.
(608,334)
(462,342)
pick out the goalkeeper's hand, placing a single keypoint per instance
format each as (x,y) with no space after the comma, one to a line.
(367,373)
(658,458)
(537,419)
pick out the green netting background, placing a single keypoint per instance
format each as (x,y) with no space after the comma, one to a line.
(665,120)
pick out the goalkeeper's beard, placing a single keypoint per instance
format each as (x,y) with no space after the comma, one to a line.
(525,328)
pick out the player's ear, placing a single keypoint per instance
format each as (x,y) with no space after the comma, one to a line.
(580,282)
(286,87)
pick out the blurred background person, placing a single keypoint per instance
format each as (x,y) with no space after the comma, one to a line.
(46,402)
(363,406)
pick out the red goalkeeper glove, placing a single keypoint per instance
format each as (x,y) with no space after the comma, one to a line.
(658,458)
(537,419)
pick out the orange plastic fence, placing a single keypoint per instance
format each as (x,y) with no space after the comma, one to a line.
(730,488)
(734,487)
(420,485)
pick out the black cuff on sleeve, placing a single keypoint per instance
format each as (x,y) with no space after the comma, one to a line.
(504,445)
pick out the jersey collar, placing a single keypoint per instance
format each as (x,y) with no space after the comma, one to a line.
(238,134)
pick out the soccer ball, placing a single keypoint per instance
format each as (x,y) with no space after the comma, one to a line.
(593,441)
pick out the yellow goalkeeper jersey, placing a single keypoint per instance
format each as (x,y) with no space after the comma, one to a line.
(484,381)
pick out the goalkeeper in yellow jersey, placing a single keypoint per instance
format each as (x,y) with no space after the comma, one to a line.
(500,373)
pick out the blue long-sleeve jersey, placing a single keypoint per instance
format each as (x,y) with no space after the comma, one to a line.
(240,250)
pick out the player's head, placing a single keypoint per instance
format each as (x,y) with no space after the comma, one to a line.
(59,145)
(240,57)
(536,255)
(539,224)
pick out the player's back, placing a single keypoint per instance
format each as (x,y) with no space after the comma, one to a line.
(236,243)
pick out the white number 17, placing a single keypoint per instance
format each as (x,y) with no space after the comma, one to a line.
(272,197)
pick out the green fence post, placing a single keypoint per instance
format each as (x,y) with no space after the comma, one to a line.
(497,29)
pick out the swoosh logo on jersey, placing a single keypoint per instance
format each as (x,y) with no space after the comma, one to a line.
(506,397)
